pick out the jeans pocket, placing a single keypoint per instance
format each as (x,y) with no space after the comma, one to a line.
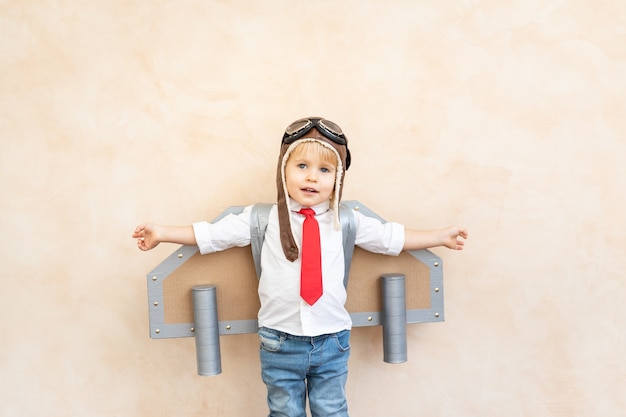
(343,340)
(269,341)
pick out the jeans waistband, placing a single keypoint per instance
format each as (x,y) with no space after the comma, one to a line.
(300,338)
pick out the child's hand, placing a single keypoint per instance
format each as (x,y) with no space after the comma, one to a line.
(453,237)
(146,236)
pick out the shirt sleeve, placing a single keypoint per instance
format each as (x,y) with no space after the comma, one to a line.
(230,231)
(378,237)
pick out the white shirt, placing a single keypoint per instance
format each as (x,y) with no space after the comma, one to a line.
(282,308)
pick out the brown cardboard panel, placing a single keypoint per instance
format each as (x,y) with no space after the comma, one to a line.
(364,286)
(232,272)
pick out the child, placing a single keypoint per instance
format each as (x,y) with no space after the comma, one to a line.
(304,333)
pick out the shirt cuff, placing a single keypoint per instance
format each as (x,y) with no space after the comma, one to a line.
(397,239)
(202,233)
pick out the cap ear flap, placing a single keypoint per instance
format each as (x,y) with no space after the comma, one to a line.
(290,248)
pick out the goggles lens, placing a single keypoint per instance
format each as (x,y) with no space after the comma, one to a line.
(331,127)
(301,127)
(297,126)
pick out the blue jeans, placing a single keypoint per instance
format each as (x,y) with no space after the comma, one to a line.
(294,366)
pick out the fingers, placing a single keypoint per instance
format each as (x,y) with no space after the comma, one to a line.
(146,245)
(142,245)
(139,231)
(140,234)
(457,237)
(460,243)
(460,232)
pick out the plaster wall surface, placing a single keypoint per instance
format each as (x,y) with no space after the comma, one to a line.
(504,116)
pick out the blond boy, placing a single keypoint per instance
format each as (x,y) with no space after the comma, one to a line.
(304,343)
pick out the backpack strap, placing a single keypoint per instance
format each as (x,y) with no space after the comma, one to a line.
(259,217)
(348,229)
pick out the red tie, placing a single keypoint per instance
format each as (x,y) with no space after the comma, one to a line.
(311,269)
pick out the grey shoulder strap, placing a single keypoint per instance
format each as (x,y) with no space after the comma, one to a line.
(259,217)
(348,228)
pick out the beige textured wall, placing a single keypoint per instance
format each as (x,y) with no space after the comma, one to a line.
(504,116)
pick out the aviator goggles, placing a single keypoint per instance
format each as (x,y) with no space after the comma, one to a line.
(331,130)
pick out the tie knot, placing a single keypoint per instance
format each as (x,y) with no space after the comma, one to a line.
(309,212)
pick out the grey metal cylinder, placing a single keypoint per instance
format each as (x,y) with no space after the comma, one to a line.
(206,330)
(394,318)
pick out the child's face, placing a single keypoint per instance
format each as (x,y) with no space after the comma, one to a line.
(310,175)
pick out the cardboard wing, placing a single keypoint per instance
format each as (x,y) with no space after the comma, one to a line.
(233,274)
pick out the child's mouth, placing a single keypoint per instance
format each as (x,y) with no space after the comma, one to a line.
(309,190)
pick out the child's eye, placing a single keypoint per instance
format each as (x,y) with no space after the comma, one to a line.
(325,170)
(302,166)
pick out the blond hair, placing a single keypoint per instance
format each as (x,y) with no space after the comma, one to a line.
(317,150)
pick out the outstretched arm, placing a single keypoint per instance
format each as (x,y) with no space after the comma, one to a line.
(452,237)
(149,235)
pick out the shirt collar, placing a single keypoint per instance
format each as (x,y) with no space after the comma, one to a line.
(319,209)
